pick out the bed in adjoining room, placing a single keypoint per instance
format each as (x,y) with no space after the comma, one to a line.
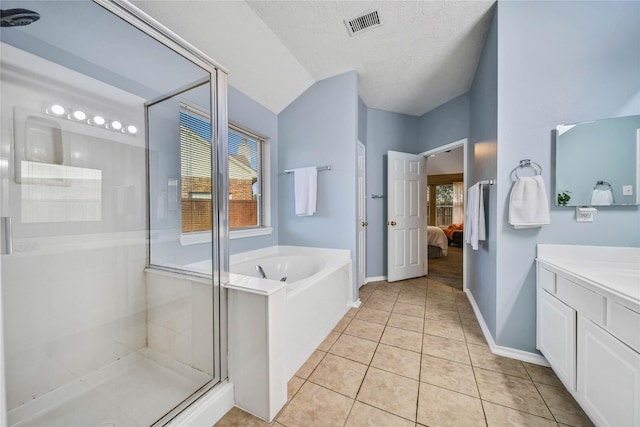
(437,242)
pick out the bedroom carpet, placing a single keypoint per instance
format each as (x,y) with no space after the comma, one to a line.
(447,269)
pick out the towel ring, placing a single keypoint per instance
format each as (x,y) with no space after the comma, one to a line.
(526,163)
(599,183)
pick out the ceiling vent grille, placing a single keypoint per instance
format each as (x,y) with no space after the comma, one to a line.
(364,21)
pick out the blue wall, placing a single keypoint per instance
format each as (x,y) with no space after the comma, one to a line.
(385,131)
(558,62)
(321,128)
(362,121)
(445,124)
(482,164)
(400,132)
(250,114)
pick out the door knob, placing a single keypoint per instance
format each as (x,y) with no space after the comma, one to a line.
(365,223)
(392,223)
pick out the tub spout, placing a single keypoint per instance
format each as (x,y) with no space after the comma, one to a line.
(261,271)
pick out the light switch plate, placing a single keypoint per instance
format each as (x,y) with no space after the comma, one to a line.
(627,190)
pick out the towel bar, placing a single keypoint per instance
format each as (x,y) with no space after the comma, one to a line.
(320,168)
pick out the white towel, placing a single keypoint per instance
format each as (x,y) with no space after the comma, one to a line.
(602,197)
(474,222)
(528,203)
(305,184)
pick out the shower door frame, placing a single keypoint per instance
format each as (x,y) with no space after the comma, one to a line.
(219,180)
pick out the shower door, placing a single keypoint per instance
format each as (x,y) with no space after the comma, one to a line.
(90,334)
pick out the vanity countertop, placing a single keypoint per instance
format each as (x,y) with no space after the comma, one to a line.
(616,269)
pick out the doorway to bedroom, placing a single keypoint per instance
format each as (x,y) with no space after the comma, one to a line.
(445,214)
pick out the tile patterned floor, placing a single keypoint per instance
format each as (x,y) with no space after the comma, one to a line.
(414,355)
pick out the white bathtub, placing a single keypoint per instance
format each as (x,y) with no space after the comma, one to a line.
(318,289)
(318,292)
(293,268)
(274,326)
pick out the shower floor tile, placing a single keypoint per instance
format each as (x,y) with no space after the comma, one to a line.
(135,391)
(88,409)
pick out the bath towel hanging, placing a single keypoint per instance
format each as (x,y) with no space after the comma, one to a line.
(528,203)
(305,183)
(474,216)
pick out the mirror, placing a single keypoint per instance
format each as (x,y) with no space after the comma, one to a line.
(598,163)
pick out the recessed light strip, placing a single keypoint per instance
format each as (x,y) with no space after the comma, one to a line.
(80,116)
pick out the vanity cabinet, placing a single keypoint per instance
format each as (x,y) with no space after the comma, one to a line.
(590,334)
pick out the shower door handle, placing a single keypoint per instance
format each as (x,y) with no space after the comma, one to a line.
(7,235)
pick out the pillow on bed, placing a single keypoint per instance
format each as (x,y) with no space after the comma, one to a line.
(453,228)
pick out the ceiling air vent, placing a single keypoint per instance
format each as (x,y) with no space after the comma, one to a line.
(364,21)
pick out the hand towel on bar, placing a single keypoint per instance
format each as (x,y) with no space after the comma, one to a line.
(474,223)
(305,184)
(602,197)
(528,203)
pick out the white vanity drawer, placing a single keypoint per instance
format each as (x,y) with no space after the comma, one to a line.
(547,279)
(625,324)
(586,302)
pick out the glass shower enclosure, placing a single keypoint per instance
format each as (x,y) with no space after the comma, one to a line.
(94,331)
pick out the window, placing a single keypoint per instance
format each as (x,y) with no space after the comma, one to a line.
(247,186)
(445,201)
(195,170)
(444,205)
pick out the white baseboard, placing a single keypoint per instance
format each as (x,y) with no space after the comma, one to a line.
(356,303)
(375,279)
(513,353)
(207,410)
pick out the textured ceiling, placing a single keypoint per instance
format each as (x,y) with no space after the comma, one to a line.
(231,34)
(424,54)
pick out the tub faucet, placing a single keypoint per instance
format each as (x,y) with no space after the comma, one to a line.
(261,271)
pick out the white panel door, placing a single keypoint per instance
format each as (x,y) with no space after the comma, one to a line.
(362,216)
(406,229)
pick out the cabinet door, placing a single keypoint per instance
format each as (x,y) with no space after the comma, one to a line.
(608,377)
(557,336)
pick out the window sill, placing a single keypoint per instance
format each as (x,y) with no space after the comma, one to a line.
(250,232)
(197,238)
